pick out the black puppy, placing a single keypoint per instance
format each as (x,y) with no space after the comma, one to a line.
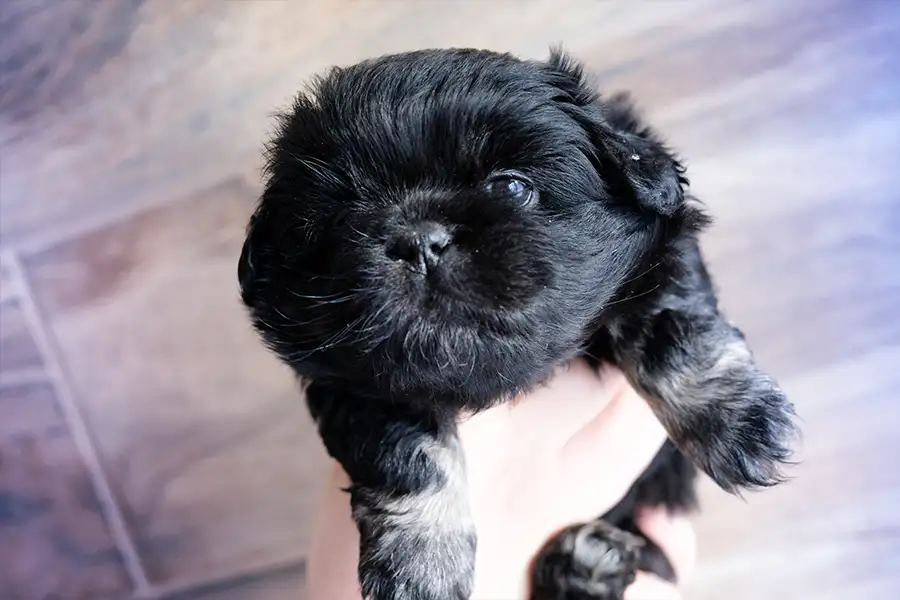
(441,229)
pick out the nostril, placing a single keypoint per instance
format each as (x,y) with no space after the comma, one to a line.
(437,240)
(421,245)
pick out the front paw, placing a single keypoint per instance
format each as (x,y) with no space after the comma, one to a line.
(745,438)
(414,548)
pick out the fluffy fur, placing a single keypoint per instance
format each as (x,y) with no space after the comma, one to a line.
(439,230)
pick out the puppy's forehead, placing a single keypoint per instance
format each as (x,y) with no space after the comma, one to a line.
(451,114)
(442,74)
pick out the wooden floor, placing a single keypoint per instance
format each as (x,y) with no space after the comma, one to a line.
(149,446)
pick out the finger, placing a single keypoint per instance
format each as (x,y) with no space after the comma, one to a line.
(548,416)
(332,558)
(625,422)
(648,587)
(611,451)
(575,395)
(675,536)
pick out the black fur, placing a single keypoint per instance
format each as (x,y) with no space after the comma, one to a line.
(441,229)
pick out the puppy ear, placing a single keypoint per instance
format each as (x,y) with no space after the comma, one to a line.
(631,160)
(654,175)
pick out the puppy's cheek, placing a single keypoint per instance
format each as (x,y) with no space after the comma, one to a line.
(511,275)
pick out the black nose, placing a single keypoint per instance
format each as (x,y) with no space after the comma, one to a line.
(420,245)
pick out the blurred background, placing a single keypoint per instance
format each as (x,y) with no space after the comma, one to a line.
(151,448)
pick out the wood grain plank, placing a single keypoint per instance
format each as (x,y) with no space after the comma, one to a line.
(789,130)
(280,584)
(831,532)
(192,88)
(19,355)
(57,543)
(203,435)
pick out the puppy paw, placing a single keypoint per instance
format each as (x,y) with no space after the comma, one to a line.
(592,561)
(746,438)
(416,547)
(720,409)
(405,565)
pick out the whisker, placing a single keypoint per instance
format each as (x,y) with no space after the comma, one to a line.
(644,293)
(365,236)
(333,341)
(329,278)
(314,296)
(328,298)
(636,277)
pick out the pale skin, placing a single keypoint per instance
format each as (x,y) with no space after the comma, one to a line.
(529,467)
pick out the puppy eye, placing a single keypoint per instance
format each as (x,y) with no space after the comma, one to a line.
(512,187)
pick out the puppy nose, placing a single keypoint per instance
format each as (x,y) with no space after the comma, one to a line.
(420,245)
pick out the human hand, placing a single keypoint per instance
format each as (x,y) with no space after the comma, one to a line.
(565,453)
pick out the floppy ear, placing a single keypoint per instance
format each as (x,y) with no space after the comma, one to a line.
(654,175)
(631,160)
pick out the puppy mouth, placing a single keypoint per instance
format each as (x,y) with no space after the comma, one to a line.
(459,312)
(462,282)
(442,296)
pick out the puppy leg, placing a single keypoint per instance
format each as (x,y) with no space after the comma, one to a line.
(698,374)
(408,494)
(668,483)
(591,561)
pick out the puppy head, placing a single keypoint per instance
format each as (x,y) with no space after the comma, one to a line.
(446,226)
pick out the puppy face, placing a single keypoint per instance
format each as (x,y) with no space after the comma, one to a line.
(447,226)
